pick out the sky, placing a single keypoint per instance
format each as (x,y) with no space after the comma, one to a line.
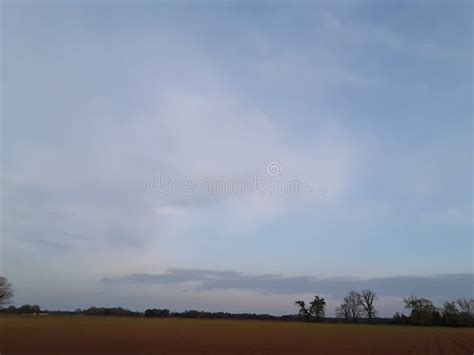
(228,156)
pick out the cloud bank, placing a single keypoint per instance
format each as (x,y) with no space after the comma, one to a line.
(437,286)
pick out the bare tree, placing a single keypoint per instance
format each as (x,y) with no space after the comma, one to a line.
(466,306)
(367,302)
(466,311)
(303,311)
(343,312)
(6,291)
(353,303)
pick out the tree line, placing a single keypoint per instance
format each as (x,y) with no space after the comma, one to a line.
(356,307)
(163,313)
(158,313)
(458,313)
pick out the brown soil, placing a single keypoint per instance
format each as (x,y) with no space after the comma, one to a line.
(122,335)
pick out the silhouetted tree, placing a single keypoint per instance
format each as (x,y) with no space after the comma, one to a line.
(466,306)
(466,311)
(112,311)
(26,308)
(343,312)
(303,311)
(451,315)
(353,304)
(423,312)
(191,314)
(317,308)
(157,313)
(399,319)
(459,313)
(6,291)
(367,302)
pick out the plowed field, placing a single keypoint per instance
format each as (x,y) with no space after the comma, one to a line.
(122,335)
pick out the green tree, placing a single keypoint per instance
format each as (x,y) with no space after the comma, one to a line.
(451,316)
(317,308)
(423,312)
(26,308)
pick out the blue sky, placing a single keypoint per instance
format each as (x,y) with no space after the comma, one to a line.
(372,100)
